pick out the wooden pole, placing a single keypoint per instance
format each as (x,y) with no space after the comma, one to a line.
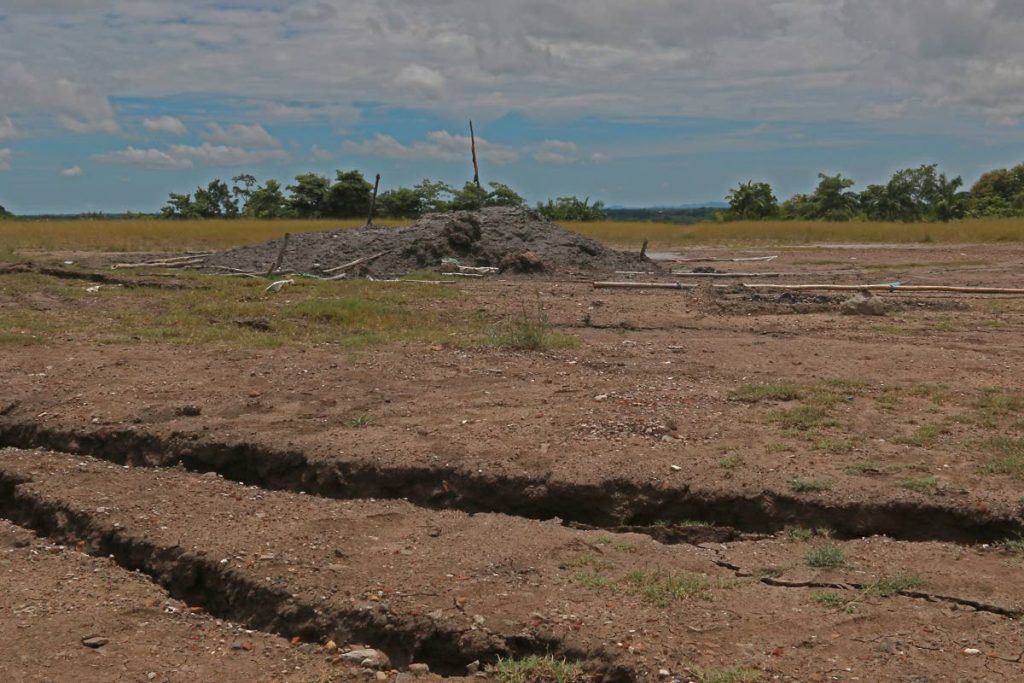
(472,141)
(642,285)
(373,200)
(280,255)
(643,250)
(895,288)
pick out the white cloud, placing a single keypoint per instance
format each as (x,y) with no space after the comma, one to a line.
(225,155)
(165,124)
(72,172)
(77,107)
(599,157)
(7,129)
(319,154)
(556,152)
(6,156)
(241,135)
(145,158)
(422,81)
(439,146)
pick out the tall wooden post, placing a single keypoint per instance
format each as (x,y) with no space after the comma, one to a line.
(476,167)
(373,200)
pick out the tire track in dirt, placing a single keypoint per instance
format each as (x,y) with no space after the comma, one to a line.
(614,504)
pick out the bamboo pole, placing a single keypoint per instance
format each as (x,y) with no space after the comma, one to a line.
(693,274)
(894,287)
(642,285)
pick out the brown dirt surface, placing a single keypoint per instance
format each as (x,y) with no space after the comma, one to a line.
(513,239)
(721,436)
(54,598)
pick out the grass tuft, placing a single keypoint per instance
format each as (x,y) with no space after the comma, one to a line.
(755,393)
(529,331)
(810,485)
(724,675)
(661,589)
(536,669)
(895,585)
(825,557)
(1009,458)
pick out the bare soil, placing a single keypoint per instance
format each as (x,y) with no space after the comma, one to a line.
(448,503)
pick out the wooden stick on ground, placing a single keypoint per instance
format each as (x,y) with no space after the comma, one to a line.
(173,264)
(693,274)
(894,287)
(643,250)
(642,285)
(699,259)
(352,264)
(280,255)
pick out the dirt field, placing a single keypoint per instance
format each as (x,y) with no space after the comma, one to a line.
(714,485)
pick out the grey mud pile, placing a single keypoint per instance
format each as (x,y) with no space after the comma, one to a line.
(512,239)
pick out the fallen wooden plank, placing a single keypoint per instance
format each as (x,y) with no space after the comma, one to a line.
(173,264)
(642,285)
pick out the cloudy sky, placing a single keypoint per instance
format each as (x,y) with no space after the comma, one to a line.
(111,104)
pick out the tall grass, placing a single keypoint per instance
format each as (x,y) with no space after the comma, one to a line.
(802,232)
(125,235)
(122,235)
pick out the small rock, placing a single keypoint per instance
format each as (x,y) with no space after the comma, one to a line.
(331,646)
(419,669)
(95,642)
(863,304)
(188,411)
(664,673)
(473,666)
(973,651)
(381,676)
(676,468)
(601,397)
(374,659)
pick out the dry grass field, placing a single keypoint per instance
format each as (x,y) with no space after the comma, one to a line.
(129,235)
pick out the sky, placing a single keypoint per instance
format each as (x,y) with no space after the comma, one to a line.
(109,105)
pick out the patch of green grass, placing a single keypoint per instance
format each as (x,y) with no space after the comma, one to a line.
(529,331)
(592,580)
(924,436)
(536,669)
(358,422)
(825,557)
(1009,456)
(998,403)
(802,418)
(724,675)
(831,600)
(894,585)
(661,589)
(809,485)
(731,462)
(834,445)
(800,533)
(922,485)
(755,393)
(1012,546)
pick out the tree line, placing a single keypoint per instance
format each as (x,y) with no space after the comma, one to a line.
(911,195)
(349,196)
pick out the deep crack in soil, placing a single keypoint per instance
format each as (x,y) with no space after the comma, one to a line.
(610,505)
(223,592)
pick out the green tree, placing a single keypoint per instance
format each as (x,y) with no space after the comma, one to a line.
(308,196)
(4,213)
(572,209)
(268,202)
(999,192)
(435,197)
(349,196)
(752,201)
(472,197)
(214,201)
(832,200)
(178,206)
(402,202)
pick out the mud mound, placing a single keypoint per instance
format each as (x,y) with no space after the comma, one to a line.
(512,239)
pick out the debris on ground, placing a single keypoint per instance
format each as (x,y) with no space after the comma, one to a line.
(514,240)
